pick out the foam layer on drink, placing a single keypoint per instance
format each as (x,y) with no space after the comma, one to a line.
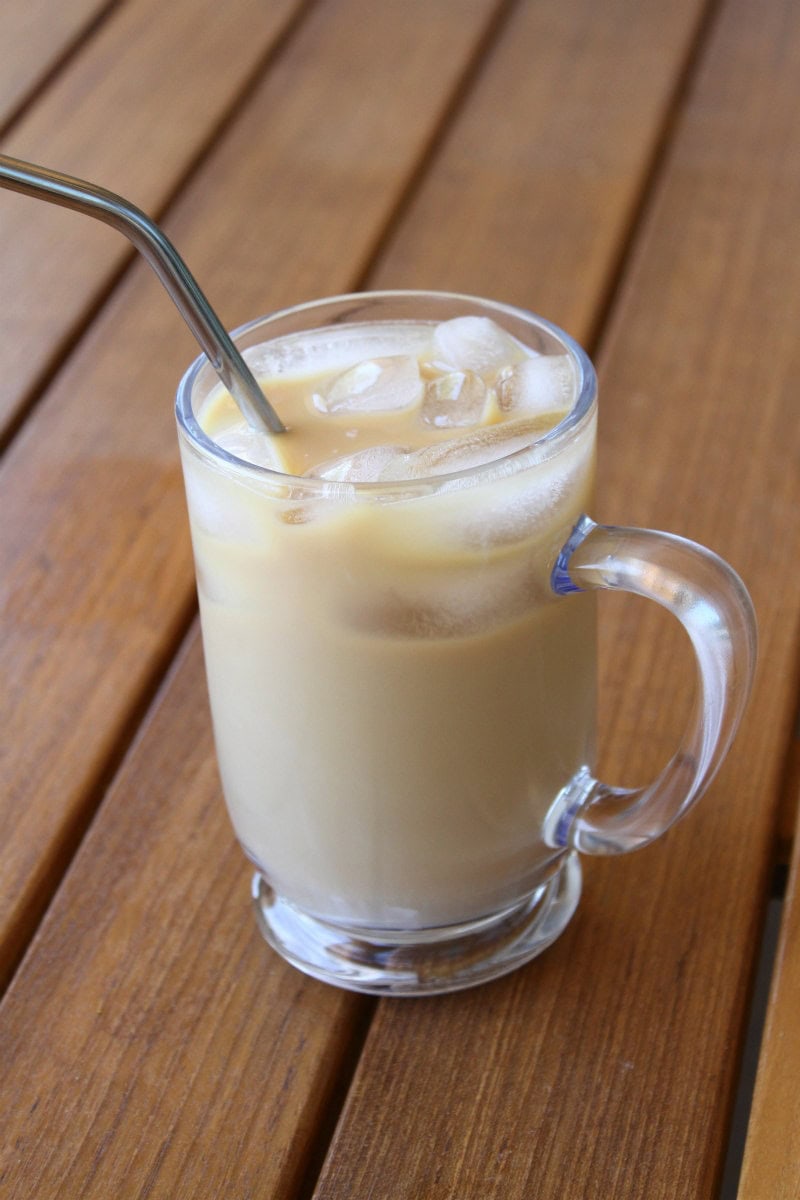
(397,696)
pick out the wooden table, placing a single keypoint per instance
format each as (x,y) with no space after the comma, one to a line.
(630,169)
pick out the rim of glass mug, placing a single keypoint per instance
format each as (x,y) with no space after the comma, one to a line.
(305,318)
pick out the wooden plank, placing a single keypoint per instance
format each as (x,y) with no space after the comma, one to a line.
(199,1063)
(33,38)
(540,205)
(608,1066)
(93,477)
(133,111)
(771,1165)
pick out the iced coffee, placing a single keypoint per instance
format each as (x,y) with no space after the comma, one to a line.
(397,695)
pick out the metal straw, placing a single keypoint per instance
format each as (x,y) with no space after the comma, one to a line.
(167,263)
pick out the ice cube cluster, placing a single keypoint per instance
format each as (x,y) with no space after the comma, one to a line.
(472,378)
(377,385)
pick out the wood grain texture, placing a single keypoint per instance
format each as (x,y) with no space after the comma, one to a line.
(96,572)
(607,1067)
(172,1055)
(131,112)
(33,38)
(771,1166)
(604,1069)
(542,171)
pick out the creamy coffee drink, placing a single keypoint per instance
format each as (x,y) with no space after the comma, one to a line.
(397,695)
(397,601)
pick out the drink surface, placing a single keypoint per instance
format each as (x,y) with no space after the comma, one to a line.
(397,695)
(386,402)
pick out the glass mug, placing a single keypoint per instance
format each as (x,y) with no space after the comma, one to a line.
(402,676)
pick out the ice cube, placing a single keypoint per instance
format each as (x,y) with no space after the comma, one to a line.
(335,349)
(476,344)
(376,385)
(219,508)
(544,384)
(515,505)
(364,466)
(252,445)
(482,445)
(393,464)
(455,399)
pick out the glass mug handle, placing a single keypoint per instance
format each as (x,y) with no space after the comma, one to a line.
(712,604)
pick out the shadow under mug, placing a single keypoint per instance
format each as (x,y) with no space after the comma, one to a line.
(402,675)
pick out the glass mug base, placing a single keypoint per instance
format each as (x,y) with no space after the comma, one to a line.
(425,963)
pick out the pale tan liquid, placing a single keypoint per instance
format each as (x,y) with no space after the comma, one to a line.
(397,696)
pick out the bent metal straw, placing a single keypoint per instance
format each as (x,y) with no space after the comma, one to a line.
(156,247)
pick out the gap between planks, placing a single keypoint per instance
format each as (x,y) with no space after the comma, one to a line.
(753,1040)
